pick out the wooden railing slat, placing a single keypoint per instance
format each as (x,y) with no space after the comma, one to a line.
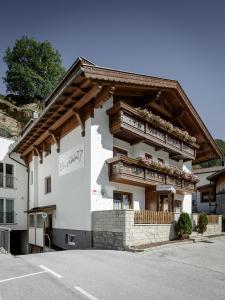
(153,217)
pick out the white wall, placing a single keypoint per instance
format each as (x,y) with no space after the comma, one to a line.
(102,143)
(19,192)
(71,192)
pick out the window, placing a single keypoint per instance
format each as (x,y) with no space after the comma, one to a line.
(148,156)
(177,206)
(119,152)
(1,211)
(48,185)
(9,180)
(205,196)
(6,211)
(160,160)
(40,220)
(31,220)
(48,149)
(9,211)
(71,239)
(122,200)
(1,174)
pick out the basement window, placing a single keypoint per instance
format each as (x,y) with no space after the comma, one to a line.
(71,240)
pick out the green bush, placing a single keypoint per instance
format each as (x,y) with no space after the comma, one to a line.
(223,223)
(202,223)
(184,226)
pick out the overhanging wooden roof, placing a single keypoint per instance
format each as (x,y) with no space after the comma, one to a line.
(86,85)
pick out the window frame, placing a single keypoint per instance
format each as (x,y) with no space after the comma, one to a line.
(161,160)
(148,156)
(118,150)
(130,199)
(46,184)
(4,212)
(207,193)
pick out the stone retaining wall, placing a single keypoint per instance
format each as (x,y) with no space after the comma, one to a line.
(115,229)
(212,229)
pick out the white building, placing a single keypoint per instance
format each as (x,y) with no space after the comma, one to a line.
(13,196)
(84,152)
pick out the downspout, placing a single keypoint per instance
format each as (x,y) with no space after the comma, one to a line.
(28,183)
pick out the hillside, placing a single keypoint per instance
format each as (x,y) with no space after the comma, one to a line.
(14,117)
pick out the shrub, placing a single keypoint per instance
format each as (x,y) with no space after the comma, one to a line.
(184,226)
(202,223)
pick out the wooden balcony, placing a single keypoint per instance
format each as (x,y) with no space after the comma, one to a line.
(131,171)
(128,124)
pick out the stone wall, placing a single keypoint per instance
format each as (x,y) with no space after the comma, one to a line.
(212,229)
(115,229)
(109,229)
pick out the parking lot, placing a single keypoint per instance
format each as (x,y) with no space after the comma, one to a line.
(191,271)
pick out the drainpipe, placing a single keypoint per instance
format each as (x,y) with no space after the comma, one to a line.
(28,183)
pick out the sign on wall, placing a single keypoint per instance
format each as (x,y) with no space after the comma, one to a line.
(71,160)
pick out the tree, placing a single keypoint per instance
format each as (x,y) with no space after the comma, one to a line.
(34,69)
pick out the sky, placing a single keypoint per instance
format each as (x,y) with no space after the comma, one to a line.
(176,39)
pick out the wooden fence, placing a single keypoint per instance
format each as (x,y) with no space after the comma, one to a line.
(213,219)
(153,217)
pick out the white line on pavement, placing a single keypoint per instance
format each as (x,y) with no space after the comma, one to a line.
(22,276)
(79,289)
(50,271)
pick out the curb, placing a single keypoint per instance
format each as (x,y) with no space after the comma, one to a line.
(159,247)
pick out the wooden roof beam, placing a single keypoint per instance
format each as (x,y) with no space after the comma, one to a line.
(93,92)
(39,153)
(104,95)
(80,121)
(56,139)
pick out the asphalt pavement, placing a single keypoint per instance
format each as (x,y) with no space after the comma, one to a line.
(191,271)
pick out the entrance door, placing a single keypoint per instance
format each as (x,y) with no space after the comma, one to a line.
(163,203)
(166,202)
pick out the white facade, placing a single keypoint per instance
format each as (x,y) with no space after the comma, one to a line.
(77,191)
(15,190)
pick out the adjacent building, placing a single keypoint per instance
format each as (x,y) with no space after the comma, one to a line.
(204,200)
(217,181)
(13,196)
(109,145)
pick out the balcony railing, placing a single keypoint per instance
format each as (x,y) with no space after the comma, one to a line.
(128,124)
(7,217)
(132,171)
(7,181)
(153,217)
